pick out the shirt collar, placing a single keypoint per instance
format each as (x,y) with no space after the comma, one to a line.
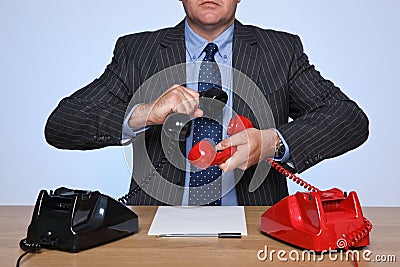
(195,44)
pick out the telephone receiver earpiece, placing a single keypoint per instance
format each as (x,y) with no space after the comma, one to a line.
(177,125)
(203,154)
(213,100)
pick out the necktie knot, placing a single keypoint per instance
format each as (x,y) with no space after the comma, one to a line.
(210,51)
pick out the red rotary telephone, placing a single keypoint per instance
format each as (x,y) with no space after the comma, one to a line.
(318,220)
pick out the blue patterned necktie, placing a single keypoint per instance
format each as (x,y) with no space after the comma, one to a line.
(201,191)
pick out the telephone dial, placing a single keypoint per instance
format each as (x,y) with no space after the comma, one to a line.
(318,220)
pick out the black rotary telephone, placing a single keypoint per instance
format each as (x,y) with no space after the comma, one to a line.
(74,220)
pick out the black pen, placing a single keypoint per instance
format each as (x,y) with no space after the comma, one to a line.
(219,235)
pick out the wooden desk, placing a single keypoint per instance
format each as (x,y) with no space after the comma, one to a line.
(143,250)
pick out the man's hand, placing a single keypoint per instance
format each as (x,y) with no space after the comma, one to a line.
(177,99)
(253,145)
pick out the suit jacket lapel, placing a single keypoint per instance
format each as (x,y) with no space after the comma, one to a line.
(246,59)
(245,52)
(172,53)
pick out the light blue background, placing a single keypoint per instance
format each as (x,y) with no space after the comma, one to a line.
(48,49)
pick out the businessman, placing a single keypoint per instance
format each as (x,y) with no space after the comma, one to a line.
(325,122)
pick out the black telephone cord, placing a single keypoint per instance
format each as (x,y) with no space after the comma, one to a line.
(157,169)
(28,248)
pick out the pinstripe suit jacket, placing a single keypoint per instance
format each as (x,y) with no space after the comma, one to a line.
(326,123)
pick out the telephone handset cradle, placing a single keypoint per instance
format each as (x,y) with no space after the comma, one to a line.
(319,221)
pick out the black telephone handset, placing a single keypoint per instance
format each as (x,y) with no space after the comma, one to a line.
(177,125)
(177,128)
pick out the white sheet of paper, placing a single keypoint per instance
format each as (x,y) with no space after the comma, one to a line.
(199,220)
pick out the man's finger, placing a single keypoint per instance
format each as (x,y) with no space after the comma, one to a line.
(234,140)
(223,144)
(233,162)
(197,113)
(193,93)
(189,99)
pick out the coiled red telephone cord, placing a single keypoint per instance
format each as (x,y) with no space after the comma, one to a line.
(352,238)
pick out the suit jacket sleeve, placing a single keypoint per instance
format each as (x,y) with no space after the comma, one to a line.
(93,116)
(326,123)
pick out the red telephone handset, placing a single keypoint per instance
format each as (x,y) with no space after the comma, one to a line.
(203,154)
(318,220)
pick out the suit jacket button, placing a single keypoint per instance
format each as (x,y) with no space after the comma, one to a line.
(99,138)
(108,138)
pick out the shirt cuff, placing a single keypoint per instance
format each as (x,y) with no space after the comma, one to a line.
(127,132)
(286,157)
